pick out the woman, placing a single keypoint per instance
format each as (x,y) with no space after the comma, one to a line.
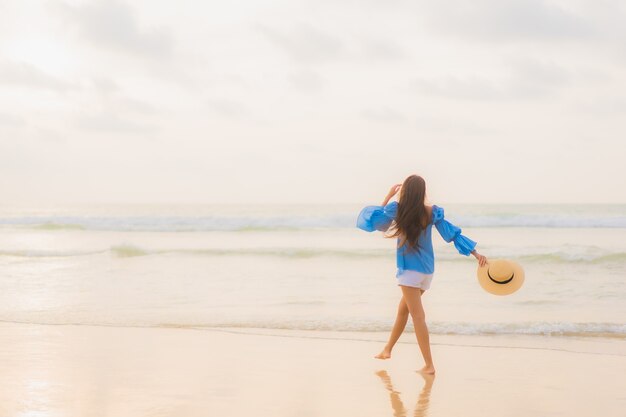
(410,220)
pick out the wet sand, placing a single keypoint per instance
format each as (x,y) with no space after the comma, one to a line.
(66,370)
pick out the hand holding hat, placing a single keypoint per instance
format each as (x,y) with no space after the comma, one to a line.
(501,276)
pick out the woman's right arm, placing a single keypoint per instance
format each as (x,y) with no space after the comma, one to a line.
(482,259)
(452,233)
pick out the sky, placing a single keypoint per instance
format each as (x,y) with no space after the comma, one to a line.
(311,101)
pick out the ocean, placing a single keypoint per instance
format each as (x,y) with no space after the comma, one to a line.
(306,267)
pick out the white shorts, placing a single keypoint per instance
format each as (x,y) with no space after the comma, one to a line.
(415,279)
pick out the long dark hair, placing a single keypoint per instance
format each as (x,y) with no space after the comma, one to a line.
(412,217)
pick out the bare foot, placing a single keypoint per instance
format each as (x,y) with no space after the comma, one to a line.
(428,369)
(385,354)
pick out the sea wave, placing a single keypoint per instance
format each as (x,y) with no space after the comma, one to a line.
(244,224)
(612,330)
(563,257)
(542,221)
(127,251)
(560,329)
(58,226)
(31,253)
(293,222)
(578,255)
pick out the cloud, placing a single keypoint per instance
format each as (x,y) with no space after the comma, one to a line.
(452,126)
(112,24)
(306,44)
(112,111)
(9,120)
(472,87)
(498,20)
(383,114)
(535,78)
(306,81)
(111,96)
(228,108)
(111,123)
(309,45)
(24,74)
(382,49)
(528,79)
(105,85)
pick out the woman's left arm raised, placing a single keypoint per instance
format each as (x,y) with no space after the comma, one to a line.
(379,217)
(393,191)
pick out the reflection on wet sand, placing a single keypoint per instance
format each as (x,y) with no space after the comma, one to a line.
(421,408)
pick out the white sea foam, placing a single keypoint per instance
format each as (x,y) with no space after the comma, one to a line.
(614,330)
(299,218)
(563,329)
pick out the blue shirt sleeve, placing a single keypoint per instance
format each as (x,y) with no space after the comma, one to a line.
(377,217)
(452,233)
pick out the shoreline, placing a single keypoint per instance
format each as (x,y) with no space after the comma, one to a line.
(606,342)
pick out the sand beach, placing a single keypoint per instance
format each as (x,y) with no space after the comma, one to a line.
(74,370)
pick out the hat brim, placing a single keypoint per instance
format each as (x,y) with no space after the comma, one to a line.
(501,289)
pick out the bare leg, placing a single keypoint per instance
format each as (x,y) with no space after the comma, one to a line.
(413,298)
(398,327)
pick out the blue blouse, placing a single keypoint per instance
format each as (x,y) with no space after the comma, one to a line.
(423,260)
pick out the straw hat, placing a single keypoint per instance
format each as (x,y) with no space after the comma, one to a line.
(501,276)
